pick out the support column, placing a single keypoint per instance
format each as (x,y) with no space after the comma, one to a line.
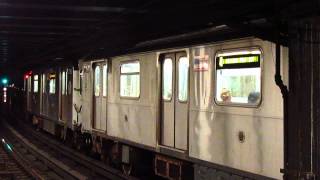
(303,137)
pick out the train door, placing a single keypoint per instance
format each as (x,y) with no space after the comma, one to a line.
(174,100)
(53,95)
(35,94)
(43,94)
(100,96)
(29,93)
(66,95)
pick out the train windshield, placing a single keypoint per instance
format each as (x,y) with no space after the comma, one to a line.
(238,78)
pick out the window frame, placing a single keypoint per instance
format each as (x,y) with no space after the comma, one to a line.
(127,62)
(234,104)
(188,80)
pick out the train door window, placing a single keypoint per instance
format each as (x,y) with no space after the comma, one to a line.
(238,77)
(97,81)
(52,83)
(35,83)
(167,79)
(80,80)
(43,83)
(183,79)
(130,79)
(104,80)
(69,81)
(63,83)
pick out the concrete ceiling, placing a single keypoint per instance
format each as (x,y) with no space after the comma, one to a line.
(34,33)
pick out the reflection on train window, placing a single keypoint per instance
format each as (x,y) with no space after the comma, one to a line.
(183,78)
(130,79)
(52,86)
(97,81)
(238,76)
(104,80)
(167,79)
(35,83)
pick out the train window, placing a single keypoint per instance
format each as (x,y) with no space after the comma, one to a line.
(183,78)
(63,83)
(97,81)
(238,78)
(35,83)
(52,84)
(104,80)
(130,79)
(167,79)
(43,83)
(80,80)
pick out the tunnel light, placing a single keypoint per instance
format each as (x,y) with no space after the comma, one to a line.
(9,147)
(5,94)
(4,81)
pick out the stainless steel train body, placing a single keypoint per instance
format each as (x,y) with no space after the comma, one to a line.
(49,97)
(213,103)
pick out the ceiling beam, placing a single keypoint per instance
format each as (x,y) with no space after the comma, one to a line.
(29,26)
(104,9)
(38,33)
(49,18)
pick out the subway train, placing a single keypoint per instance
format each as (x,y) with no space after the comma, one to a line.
(206,111)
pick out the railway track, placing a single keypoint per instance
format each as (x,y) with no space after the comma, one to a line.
(75,165)
(10,165)
(37,162)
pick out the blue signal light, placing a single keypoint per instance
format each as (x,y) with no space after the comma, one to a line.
(4,81)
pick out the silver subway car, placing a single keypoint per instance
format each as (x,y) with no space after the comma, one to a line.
(213,107)
(214,103)
(49,98)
